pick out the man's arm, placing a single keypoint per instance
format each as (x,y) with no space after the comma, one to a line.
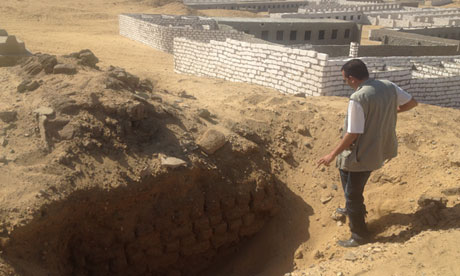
(346,141)
(407,106)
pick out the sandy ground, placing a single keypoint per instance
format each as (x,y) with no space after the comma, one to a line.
(302,237)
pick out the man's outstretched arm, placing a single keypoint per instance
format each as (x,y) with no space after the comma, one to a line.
(407,106)
(346,141)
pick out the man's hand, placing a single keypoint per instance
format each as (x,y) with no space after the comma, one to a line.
(326,160)
(346,141)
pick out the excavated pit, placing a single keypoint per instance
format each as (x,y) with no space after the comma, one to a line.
(103,202)
(175,224)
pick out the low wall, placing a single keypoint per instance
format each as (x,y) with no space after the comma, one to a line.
(440,2)
(387,50)
(162,37)
(298,71)
(393,37)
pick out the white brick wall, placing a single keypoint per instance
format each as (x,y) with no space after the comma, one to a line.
(312,73)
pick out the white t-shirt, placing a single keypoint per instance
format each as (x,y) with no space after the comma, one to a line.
(356,118)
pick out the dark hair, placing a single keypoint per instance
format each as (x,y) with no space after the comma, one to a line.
(355,68)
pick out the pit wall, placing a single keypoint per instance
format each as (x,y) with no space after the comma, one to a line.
(306,72)
(162,37)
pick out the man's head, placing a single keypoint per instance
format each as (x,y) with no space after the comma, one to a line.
(354,72)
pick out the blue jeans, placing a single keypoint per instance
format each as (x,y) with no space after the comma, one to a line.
(353,187)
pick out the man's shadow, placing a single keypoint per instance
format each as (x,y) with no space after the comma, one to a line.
(434,216)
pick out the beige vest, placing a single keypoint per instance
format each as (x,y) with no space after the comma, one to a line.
(378,142)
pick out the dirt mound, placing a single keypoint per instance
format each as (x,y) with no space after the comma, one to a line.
(122,182)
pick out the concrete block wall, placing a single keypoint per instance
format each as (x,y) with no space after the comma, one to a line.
(440,2)
(307,72)
(285,69)
(162,37)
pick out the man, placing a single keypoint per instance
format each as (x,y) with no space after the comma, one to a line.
(368,139)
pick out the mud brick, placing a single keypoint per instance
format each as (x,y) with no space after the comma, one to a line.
(118,262)
(243,199)
(196,211)
(219,240)
(233,236)
(99,269)
(181,216)
(154,251)
(248,219)
(227,202)
(163,223)
(182,230)
(135,258)
(202,223)
(126,234)
(220,228)
(188,240)
(235,225)
(196,248)
(265,205)
(168,259)
(215,219)
(252,229)
(212,207)
(143,229)
(204,234)
(258,195)
(153,238)
(236,213)
(172,246)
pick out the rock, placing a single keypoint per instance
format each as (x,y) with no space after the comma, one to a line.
(451,191)
(424,201)
(338,217)
(211,141)
(340,274)
(454,158)
(326,199)
(87,58)
(145,85)
(303,130)
(298,255)
(334,187)
(319,255)
(68,69)
(349,256)
(3,159)
(184,94)
(339,223)
(172,162)
(8,116)
(28,85)
(46,111)
(204,113)
(3,141)
(67,132)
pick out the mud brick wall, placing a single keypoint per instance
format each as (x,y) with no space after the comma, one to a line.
(298,71)
(161,37)
(167,226)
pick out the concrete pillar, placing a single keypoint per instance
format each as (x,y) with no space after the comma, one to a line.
(354,47)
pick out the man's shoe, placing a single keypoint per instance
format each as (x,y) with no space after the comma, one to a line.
(350,243)
(341,211)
